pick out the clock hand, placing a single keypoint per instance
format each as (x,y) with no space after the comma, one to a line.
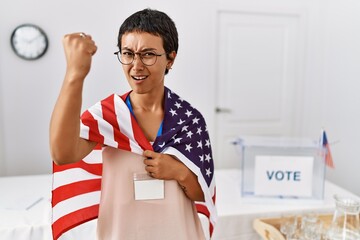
(36,37)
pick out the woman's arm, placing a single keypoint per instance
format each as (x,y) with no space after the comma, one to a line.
(190,185)
(65,144)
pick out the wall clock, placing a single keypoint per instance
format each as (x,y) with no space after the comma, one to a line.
(29,41)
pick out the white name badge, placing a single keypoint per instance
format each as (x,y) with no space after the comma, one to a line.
(283,176)
(148,188)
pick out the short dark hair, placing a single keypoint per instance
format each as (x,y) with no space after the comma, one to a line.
(153,22)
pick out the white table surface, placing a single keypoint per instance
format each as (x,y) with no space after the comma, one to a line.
(25,208)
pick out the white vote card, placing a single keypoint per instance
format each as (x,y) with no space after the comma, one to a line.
(283,176)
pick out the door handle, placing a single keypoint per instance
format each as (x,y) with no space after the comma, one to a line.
(222,110)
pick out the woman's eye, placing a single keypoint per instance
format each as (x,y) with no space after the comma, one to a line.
(148,54)
(128,54)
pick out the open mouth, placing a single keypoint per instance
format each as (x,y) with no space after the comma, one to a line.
(139,78)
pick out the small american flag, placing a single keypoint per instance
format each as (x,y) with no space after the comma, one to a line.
(77,187)
(328,157)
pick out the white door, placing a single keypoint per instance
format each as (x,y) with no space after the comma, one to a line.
(260,67)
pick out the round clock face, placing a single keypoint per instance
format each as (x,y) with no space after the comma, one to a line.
(29,41)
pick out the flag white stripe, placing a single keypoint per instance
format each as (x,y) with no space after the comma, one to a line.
(212,187)
(95,156)
(71,176)
(84,131)
(75,203)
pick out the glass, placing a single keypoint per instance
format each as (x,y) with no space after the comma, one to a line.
(288,225)
(148,58)
(311,227)
(345,223)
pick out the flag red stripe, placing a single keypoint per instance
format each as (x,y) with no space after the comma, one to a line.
(202,209)
(214,197)
(328,158)
(205,211)
(94,134)
(94,168)
(73,219)
(108,110)
(74,189)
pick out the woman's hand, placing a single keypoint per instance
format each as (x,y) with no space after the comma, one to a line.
(166,167)
(79,49)
(163,166)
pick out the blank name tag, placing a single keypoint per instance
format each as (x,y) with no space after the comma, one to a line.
(148,188)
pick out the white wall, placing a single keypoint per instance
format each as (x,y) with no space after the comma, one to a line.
(2,159)
(335,79)
(28,90)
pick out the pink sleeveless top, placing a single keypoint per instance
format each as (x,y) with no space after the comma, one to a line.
(121,217)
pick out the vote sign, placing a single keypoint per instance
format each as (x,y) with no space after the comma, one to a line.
(288,176)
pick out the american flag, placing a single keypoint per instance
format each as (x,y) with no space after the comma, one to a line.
(328,157)
(77,187)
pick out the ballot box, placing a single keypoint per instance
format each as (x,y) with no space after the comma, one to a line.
(281,168)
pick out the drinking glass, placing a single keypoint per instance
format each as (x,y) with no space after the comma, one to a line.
(311,227)
(288,225)
(345,224)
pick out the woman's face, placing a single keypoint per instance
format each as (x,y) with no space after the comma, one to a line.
(143,78)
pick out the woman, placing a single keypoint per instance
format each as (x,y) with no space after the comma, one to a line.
(155,151)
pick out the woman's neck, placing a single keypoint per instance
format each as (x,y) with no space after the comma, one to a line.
(147,102)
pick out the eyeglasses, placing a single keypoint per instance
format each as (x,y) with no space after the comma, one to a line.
(148,58)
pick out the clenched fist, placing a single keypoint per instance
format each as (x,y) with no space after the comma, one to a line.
(79,49)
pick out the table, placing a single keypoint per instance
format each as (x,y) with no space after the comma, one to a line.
(236,215)
(25,208)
